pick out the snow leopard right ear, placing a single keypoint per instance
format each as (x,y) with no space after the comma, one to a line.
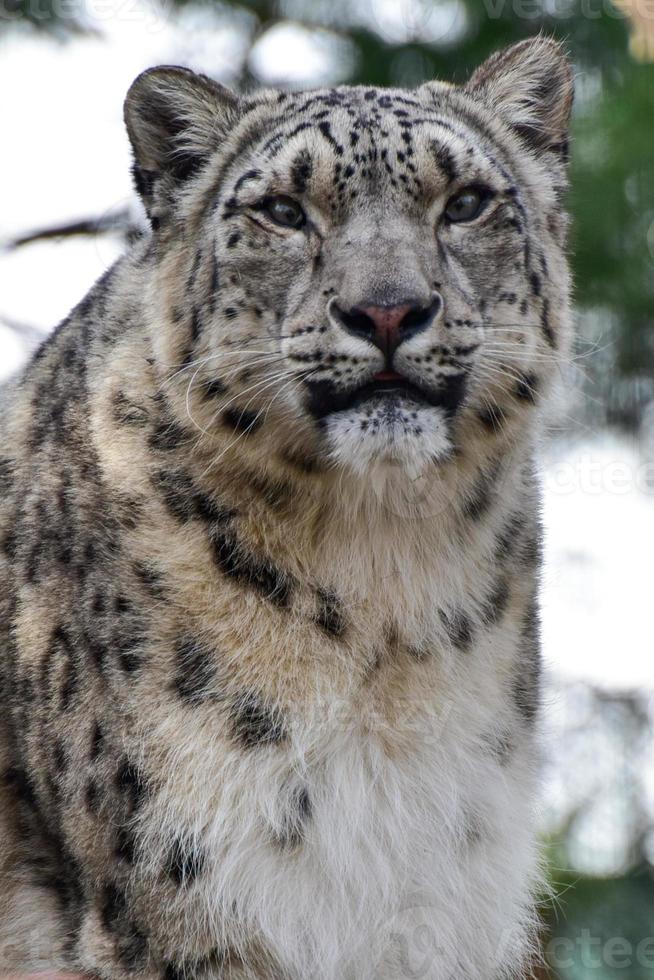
(531,86)
(175,119)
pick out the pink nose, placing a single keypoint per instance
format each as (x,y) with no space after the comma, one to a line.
(387,326)
(386,320)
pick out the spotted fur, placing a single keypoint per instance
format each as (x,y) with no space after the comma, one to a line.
(269,631)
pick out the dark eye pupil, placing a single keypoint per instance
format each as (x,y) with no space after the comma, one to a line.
(464,206)
(285,211)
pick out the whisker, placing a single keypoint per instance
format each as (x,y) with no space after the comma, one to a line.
(503,375)
(241,366)
(234,441)
(310,374)
(216,355)
(188,395)
(256,387)
(592,349)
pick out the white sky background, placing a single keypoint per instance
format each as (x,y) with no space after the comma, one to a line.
(66,156)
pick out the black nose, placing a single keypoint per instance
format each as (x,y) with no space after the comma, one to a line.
(387,326)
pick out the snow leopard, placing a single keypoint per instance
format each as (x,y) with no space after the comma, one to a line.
(270,542)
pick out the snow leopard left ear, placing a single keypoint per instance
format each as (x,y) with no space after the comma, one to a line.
(531,86)
(175,120)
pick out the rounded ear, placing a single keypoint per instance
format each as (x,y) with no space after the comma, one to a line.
(531,86)
(175,119)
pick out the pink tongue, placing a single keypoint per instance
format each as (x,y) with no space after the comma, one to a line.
(387,376)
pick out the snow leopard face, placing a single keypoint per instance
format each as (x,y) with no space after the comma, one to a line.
(373,275)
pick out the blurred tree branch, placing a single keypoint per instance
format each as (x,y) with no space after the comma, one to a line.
(121,222)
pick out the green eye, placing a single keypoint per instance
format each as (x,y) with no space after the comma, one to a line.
(465,205)
(284,211)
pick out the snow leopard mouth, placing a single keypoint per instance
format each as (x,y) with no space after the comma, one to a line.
(386,388)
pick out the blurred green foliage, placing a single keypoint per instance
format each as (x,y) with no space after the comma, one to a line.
(601,927)
(613,205)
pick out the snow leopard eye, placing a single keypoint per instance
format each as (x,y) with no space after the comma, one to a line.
(284,211)
(466,205)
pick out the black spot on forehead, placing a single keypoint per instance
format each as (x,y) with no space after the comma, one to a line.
(546,324)
(277,141)
(326,130)
(444,159)
(301,170)
(509,537)
(69,685)
(340,116)
(252,174)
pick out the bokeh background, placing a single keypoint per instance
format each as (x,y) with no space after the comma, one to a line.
(67,211)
